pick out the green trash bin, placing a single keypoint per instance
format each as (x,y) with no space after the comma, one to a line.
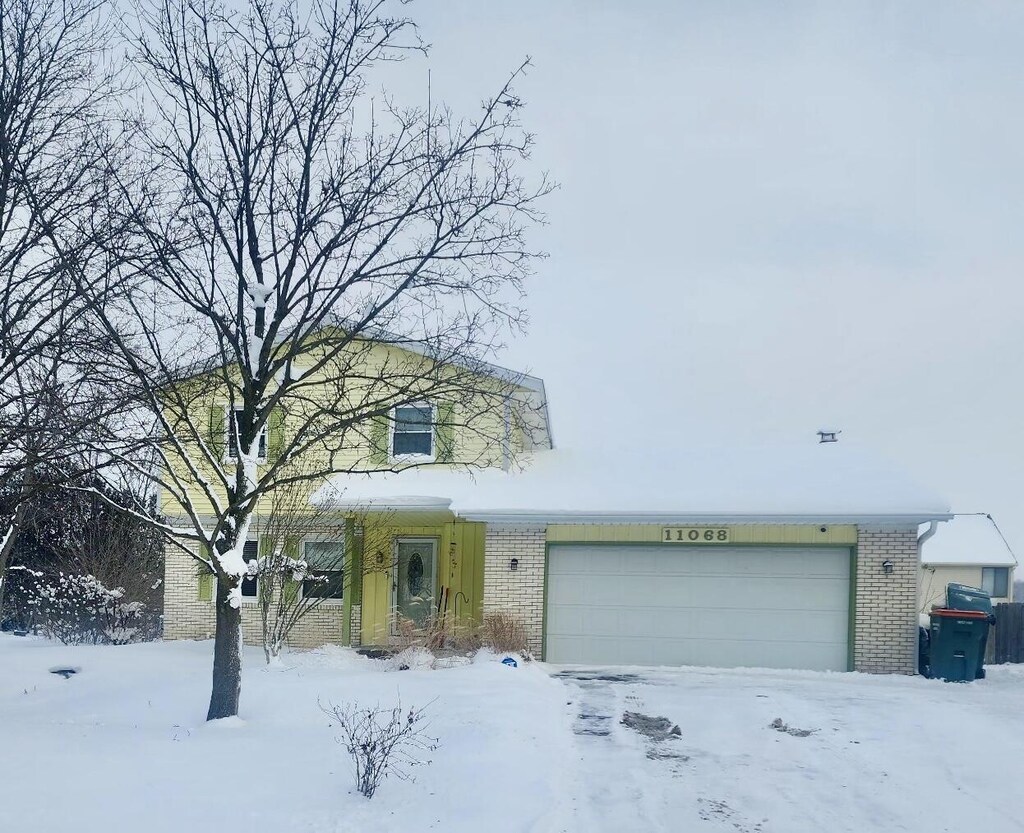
(956,644)
(964,597)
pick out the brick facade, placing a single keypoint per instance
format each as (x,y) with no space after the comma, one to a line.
(885,629)
(520,591)
(186,616)
(885,623)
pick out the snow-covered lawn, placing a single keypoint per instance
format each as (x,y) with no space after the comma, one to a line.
(122,745)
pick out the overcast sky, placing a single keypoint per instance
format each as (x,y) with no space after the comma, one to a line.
(773,217)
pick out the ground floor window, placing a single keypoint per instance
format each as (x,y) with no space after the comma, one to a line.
(250,552)
(326,560)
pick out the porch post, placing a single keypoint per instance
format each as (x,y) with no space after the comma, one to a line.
(352,574)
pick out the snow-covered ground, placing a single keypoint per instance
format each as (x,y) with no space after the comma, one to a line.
(122,745)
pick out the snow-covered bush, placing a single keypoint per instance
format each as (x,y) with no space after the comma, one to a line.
(77,609)
(73,538)
(382,742)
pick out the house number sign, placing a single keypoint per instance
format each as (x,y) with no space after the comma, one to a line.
(696,534)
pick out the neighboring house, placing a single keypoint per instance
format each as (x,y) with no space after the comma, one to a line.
(967,550)
(657,555)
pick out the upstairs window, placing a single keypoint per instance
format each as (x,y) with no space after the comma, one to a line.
(995,581)
(413,432)
(233,437)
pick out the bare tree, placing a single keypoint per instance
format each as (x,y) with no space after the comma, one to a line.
(292,582)
(310,555)
(293,224)
(58,148)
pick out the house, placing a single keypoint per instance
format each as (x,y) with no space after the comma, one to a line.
(968,550)
(654,553)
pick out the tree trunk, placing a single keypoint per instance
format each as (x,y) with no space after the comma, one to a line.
(227,658)
(9,533)
(7,538)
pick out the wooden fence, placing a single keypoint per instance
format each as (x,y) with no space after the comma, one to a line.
(1006,639)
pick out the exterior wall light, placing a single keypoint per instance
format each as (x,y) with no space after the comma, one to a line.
(513,565)
(887,567)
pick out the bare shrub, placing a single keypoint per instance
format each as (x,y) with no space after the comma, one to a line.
(504,633)
(382,742)
(445,635)
(442,635)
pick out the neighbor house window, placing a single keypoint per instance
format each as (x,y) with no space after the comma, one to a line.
(413,432)
(995,580)
(250,552)
(326,563)
(233,437)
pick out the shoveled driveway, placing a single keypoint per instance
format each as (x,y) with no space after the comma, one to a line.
(875,753)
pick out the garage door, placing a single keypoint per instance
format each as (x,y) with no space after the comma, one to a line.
(771,607)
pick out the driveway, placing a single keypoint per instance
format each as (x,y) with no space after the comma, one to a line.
(846,752)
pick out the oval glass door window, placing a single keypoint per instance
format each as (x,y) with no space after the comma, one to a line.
(415,574)
(414,583)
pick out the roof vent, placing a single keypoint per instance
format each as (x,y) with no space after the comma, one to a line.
(829,436)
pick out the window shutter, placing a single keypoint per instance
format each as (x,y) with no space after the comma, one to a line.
(218,429)
(379,441)
(444,433)
(275,434)
(207,580)
(290,587)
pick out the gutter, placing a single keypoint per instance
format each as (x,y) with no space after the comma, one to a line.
(536,516)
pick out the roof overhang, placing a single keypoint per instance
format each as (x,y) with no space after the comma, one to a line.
(681,518)
(961,564)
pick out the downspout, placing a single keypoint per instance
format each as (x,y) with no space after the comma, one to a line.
(933,527)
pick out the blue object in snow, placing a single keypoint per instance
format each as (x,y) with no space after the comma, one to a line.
(511,663)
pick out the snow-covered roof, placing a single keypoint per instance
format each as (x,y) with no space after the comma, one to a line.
(817,482)
(968,539)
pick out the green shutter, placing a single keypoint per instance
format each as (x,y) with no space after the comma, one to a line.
(290,587)
(207,580)
(444,433)
(218,430)
(379,441)
(275,434)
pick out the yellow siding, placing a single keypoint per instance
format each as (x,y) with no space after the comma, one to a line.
(842,534)
(935,578)
(460,568)
(478,430)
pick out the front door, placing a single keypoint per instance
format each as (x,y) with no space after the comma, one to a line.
(415,580)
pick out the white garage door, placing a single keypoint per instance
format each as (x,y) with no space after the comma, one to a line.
(771,607)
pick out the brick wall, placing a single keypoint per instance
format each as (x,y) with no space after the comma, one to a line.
(521,591)
(187,617)
(885,629)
